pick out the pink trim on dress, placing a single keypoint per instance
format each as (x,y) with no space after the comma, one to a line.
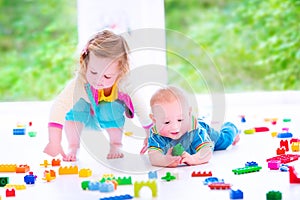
(95,94)
(129,106)
(56,125)
(148,126)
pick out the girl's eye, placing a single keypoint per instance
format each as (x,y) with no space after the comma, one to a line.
(92,72)
(107,77)
(167,123)
(180,120)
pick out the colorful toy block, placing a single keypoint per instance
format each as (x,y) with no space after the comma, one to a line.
(286,158)
(139,185)
(85,173)
(120,197)
(168,177)
(293,175)
(284,168)
(152,175)
(108,176)
(16,186)
(68,170)
(19,131)
(55,162)
(294,140)
(10,192)
(274,164)
(201,174)
(295,146)
(93,185)
(285,135)
(45,164)
(177,150)
(22,169)
(85,185)
(4,181)
(8,168)
(274,195)
(285,144)
(106,187)
(48,177)
(236,194)
(124,181)
(280,151)
(219,186)
(212,180)
(30,179)
(251,164)
(114,182)
(51,172)
(246,170)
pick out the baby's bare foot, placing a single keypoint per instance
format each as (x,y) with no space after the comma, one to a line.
(115,152)
(71,156)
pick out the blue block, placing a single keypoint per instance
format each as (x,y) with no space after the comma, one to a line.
(212,180)
(285,135)
(106,187)
(29,179)
(236,194)
(121,197)
(152,175)
(19,131)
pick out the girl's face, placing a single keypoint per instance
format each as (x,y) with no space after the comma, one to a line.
(102,72)
(172,119)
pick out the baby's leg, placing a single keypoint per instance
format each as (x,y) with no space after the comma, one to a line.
(115,137)
(73,131)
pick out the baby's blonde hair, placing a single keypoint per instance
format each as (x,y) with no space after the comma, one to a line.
(169,94)
(106,44)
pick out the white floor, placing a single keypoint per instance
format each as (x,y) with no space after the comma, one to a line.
(256,147)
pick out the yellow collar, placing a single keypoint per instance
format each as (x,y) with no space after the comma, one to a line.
(110,98)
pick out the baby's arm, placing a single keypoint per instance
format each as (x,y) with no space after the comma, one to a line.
(157,158)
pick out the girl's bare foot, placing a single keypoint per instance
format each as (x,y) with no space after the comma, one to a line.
(71,156)
(115,152)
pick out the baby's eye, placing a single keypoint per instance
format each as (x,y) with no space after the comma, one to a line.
(92,72)
(107,77)
(167,123)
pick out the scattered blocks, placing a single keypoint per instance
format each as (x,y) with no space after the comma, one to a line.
(68,170)
(55,162)
(139,185)
(219,186)
(19,131)
(212,180)
(236,194)
(4,181)
(152,175)
(10,192)
(106,187)
(16,186)
(251,164)
(85,185)
(201,174)
(274,164)
(48,177)
(285,158)
(22,169)
(168,177)
(30,179)
(124,181)
(293,175)
(295,146)
(45,164)
(285,135)
(280,151)
(285,144)
(246,170)
(8,168)
(274,195)
(121,197)
(85,173)
(177,150)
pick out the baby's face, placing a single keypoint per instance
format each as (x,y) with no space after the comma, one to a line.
(172,119)
(102,72)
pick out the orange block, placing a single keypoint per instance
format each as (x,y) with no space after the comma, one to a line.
(22,169)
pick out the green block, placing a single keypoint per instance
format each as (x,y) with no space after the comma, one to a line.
(4,181)
(177,150)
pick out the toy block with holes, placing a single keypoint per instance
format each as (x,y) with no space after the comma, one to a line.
(294,178)
(55,162)
(45,164)
(274,195)
(30,178)
(120,197)
(245,170)
(8,167)
(48,177)
(4,181)
(201,174)
(152,175)
(22,168)
(285,158)
(85,173)
(168,177)
(68,170)
(139,185)
(285,144)
(124,181)
(52,173)
(10,192)
(219,186)
(295,146)
(16,186)
(108,176)
(19,131)
(280,151)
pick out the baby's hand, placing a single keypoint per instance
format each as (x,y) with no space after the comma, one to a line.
(187,158)
(172,161)
(54,149)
